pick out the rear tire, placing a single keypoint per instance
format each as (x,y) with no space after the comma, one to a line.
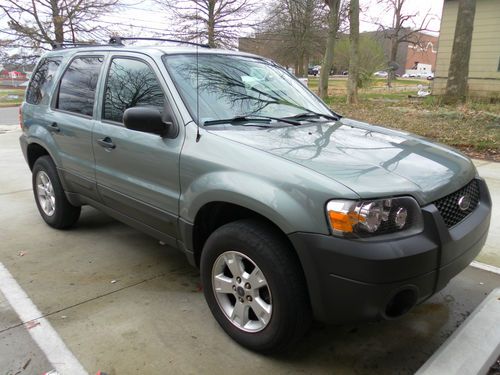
(254,286)
(50,198)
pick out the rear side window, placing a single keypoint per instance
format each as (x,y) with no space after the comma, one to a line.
(78,85)
(42,80)
(130,83)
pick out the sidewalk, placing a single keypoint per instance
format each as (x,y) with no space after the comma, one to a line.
(490,171)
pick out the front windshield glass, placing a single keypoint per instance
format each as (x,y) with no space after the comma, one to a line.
(234,86)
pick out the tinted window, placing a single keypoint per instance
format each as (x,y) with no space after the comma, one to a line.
(130,83)
(42,81)
(217,87)
(78,84)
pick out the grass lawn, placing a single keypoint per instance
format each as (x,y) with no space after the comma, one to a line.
(474,128)
(11,97)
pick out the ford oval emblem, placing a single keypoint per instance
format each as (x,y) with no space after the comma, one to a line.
(464,202)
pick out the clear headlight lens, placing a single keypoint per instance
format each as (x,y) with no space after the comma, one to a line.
(373,217)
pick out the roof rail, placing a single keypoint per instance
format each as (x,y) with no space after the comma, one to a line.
(58,45)
(117,40)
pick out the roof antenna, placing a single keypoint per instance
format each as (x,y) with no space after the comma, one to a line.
(198,135)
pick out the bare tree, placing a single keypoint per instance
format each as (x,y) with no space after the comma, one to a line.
(333,26)
(371,56)
(299,24)
(458,73)
(352,82)
(218,22)
(41,22)
(18,61)
(403,28)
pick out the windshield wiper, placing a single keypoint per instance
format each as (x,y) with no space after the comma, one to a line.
(250,118)
(312,114)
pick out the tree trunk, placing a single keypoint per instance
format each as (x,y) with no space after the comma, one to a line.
(352,82)
(300,64)
(458,73)
(396,28)
(57,21)
(306,64)
(211,23)
(333,25)
(393,57)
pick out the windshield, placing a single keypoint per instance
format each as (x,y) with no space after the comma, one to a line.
(238,86)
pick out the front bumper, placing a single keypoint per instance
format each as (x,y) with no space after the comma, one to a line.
(355,280)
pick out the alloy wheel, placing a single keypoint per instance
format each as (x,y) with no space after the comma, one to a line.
(242,291)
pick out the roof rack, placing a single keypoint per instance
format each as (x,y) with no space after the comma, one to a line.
(65,44)
(118,40)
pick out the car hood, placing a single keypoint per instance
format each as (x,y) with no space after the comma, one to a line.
(370,160)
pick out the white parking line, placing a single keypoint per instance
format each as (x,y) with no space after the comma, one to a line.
(38,327)
(485,267)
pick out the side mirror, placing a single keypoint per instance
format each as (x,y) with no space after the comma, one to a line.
(149,120)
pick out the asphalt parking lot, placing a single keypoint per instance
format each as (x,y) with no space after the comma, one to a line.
(124,304)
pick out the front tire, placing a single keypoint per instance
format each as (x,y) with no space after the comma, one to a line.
(254,286)
(50,198)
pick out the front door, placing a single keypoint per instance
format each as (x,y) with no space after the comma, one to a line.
(137,173)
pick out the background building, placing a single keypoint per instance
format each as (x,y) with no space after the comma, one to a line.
(484,65)
(423,50)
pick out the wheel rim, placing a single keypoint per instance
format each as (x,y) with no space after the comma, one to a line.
(242,291)
(45,193)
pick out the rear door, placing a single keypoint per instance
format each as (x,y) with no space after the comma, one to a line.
(71,120)
(137,173)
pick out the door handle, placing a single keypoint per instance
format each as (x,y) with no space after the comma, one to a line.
(54,127)
(106,142)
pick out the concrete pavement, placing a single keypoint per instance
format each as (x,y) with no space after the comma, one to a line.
(491,172)
(153,318)
(474,347)
(9,116)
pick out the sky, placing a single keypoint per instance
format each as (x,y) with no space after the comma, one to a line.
(373,13)
(145,14)
(144,18)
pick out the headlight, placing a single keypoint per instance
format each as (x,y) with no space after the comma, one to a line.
(373,217)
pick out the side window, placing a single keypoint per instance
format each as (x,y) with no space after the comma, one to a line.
(42,81)
(78,85)
(130,83)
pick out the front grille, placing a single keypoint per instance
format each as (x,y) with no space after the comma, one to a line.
(449,206)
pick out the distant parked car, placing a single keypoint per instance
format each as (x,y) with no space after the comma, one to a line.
(430,76)
(381,73)
(313,71)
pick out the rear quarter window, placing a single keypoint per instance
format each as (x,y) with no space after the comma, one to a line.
(42,81)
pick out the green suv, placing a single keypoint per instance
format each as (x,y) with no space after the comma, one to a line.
(290,211)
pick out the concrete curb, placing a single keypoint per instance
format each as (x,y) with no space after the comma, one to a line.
(485,267)
(474,346)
